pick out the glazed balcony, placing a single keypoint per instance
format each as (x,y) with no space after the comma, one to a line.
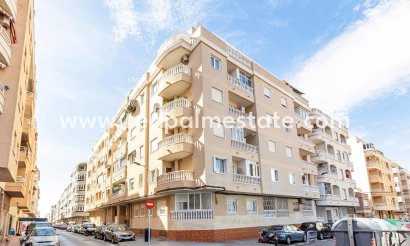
(176,179)
(240,89)
(245,179)
(18,188)
(119,176)
(174,81)
(5,46)
(249,122)
(2,98)
(175,147)
(194,214)
(173,49)
(10,6)
(309,167)
(173,112)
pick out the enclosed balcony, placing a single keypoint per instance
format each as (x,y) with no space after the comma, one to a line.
(175,147)
(174,81)
(18,188)
(176,179)
(175,113)
(10,6)
(173,49)
(5,47)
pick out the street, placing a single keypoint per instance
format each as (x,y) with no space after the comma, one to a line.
(72,239)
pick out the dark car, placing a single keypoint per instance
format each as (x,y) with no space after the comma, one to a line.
(99,232)
(118,233)
(323,230)
(287,233)
(87,229)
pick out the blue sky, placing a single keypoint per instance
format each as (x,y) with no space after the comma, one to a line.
(350,57)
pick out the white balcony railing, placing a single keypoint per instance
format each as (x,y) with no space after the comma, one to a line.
(244,146)
(239,57)
(237,83)
(118,194)
(177,69)
(195,214)
(175,139)
(306,142)
(310,188)
(309,165)
(175,39)
(177,103)
(20,179)
(2,97)
(182,175)
(269,213)
(239,113)
(245,179)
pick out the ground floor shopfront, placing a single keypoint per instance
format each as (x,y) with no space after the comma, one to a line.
(206,216)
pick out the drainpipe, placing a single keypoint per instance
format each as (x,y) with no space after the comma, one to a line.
(147,123)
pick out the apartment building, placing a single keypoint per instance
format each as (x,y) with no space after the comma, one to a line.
(374,176)
(401,178)
(364,209)
(18,139)
(336,185)
(70,207)
(209,182)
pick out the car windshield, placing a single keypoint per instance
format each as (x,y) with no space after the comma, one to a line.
(44,225)
(44,232)
(276,228)
(89,225)
(121,228)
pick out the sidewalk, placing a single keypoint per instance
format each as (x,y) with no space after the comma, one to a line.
(13,241)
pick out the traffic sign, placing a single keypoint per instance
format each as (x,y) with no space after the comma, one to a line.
(149,204)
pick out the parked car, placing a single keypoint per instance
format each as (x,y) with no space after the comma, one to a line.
(323,230)
(77,228)
(99,232)
(287,233)
(69,228)
(87,229)
(33,225)
(118,233)
(43,236)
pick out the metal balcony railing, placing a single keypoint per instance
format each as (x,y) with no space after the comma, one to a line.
(194,214)
(237,83)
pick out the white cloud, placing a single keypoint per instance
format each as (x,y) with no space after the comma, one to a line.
(143,20)
(369,60)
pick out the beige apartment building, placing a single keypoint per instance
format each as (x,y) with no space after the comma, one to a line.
(401,178)
(70,207)
(209,182)
(336,185)
(19,174)
(374,176)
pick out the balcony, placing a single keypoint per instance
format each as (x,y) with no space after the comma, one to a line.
(2,98)
(309,167)
(245,179)
(118,194)
(241,89)
(174,81)
(306,146)
(239,57)
(197,214)
(24,154)
(322,156)
(311,188)
(173,112)
(119,175)
(10,6)
(5,46)
(173,49)
(376,179)
(175,147)
(244,150)
(336,200)
(176,179)
(373,165)
(248,120)
(18,188)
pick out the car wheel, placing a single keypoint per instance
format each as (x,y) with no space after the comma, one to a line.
(112,240)
(304,237)
(103,238)
(321,237)
(288,241)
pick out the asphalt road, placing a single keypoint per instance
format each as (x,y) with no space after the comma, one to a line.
(72,239)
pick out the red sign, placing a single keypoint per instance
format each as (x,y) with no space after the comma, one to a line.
(149,204)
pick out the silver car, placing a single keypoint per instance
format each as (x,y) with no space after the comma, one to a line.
(118,233)
(43,236)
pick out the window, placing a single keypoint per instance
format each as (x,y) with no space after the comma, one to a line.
(275,175)
(132,184)
(252,206)
(283,207)
(152,176)
(308,206)
(289,152)
(154,145)
(81,187)
(296,207)
(284,102)
(133,132)
(292,178)
(132,156)
(142,211)
(154,88)
(141,151)
(287,127)
(220,165)
(140,180)
(269,203)
(161,205)
(269,119)
(136,211)
(266,92)
(217,95)
(232,205)
(344,194)
(272,146)
(81,177)
(142,98)
(305,179)
(218,129)
(238,134)
(216,63)
(191,201)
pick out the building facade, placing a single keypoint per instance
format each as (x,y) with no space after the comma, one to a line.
(70,207)
(208,181)
(336,184)
(401,178)
(18,141)
(375,173)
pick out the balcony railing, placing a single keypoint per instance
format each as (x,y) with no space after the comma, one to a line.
(118,194)
(237,83)
(6,43)
(310,188)
(306,142)
(245,179)
(244,146)
(182,175)
(195,214)
(309,165)
(175,39)
(239,113)
(20,179)
(175,139)
(177,103)
(239,57)
(283,213)
(269,213)
(180,68)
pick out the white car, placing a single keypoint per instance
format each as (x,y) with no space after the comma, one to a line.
(43,236)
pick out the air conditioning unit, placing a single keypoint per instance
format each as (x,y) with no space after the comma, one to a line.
(5,21)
